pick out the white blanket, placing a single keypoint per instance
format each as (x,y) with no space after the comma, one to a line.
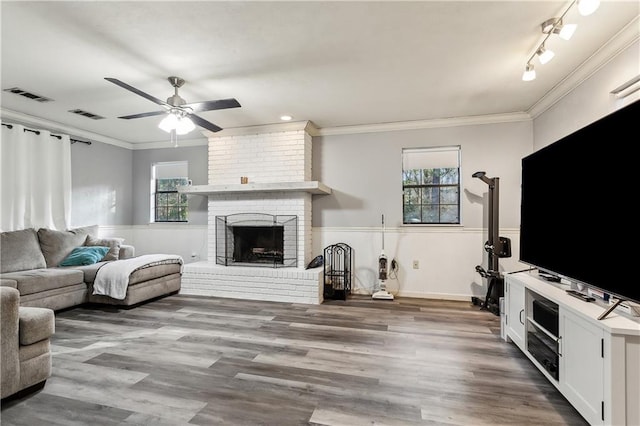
(112,279)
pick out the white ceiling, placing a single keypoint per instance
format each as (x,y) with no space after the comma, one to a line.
(333,63)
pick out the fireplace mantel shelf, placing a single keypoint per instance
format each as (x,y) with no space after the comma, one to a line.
(313,187)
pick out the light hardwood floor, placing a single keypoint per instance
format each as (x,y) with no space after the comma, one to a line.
(188,360)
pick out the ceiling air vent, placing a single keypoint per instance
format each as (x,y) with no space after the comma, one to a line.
(86,114)
(19,91)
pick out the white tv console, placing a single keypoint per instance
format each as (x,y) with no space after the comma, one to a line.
(598,364)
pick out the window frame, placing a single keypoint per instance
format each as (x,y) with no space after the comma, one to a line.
(157,194)
(438,186)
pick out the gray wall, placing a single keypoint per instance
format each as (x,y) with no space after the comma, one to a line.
(365,172)
(101,176)
(196,156)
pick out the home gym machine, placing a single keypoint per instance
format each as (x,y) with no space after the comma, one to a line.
(496,247)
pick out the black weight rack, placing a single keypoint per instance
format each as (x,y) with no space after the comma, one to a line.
(338,271)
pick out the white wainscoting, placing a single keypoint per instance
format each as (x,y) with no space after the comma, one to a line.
(447,256)
(181,239)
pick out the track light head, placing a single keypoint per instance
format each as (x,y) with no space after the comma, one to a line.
(529,73)
(587,7)
(556,26)
(544,54)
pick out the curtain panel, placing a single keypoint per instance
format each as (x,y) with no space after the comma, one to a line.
(35,168)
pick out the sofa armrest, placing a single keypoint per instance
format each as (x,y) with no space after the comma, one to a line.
(8,283)
(9,314)
(126,251)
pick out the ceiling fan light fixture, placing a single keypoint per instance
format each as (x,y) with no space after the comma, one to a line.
(169,123)
(184,126)
(177,121)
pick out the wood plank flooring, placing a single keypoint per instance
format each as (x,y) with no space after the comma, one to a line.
(191,360)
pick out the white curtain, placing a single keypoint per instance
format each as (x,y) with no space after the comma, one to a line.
(36,179)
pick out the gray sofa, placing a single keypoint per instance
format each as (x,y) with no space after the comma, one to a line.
(30,259)
(25,343)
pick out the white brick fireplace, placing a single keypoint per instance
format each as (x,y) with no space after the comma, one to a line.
(276,162)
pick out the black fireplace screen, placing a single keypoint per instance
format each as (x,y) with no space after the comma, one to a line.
(257,239)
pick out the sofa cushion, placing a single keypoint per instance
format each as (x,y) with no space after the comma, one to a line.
(56,245)
(36,324)
(152,272)
(37,280)
(89,271)
(113,244)
(84,256)
(20,251)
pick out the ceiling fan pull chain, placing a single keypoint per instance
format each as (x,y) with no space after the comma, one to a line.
(173,138)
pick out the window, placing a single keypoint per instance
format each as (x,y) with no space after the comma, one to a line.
(167,204)
(431,185)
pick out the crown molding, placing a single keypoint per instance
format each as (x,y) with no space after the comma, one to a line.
(425,124)
(167,144)
(618,43)
(55,127)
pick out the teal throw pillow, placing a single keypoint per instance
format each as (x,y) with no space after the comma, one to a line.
(85,256)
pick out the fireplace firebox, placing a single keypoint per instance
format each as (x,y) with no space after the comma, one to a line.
(257,239)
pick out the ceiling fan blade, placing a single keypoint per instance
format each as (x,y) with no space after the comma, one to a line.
(204,123)
(211,105)
(137,92)
(144,114)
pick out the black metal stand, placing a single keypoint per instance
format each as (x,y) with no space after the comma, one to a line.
(496,247)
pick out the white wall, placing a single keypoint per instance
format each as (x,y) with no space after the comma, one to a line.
(590,101)
(446,257)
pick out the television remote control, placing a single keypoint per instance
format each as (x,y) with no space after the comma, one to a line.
(581,296)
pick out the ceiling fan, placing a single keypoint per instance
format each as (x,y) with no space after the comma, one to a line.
(181,115)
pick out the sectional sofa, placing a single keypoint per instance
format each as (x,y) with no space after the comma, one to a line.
(25,343)
(33,261)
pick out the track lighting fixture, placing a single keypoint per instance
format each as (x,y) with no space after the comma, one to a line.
(544,55)
(529,73)
(556,26)
(564,31)
(587,7)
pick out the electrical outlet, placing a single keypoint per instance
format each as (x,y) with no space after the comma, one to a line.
(416,264)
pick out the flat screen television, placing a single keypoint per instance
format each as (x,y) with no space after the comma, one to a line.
(577,214)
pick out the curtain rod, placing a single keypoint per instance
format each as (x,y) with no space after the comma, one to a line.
(37,132)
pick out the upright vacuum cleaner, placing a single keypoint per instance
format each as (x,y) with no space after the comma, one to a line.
(383,274)
(496,247)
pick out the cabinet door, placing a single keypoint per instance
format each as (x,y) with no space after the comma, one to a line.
(514,297)
(582,365)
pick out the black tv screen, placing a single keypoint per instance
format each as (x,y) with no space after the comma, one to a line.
(577,208)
